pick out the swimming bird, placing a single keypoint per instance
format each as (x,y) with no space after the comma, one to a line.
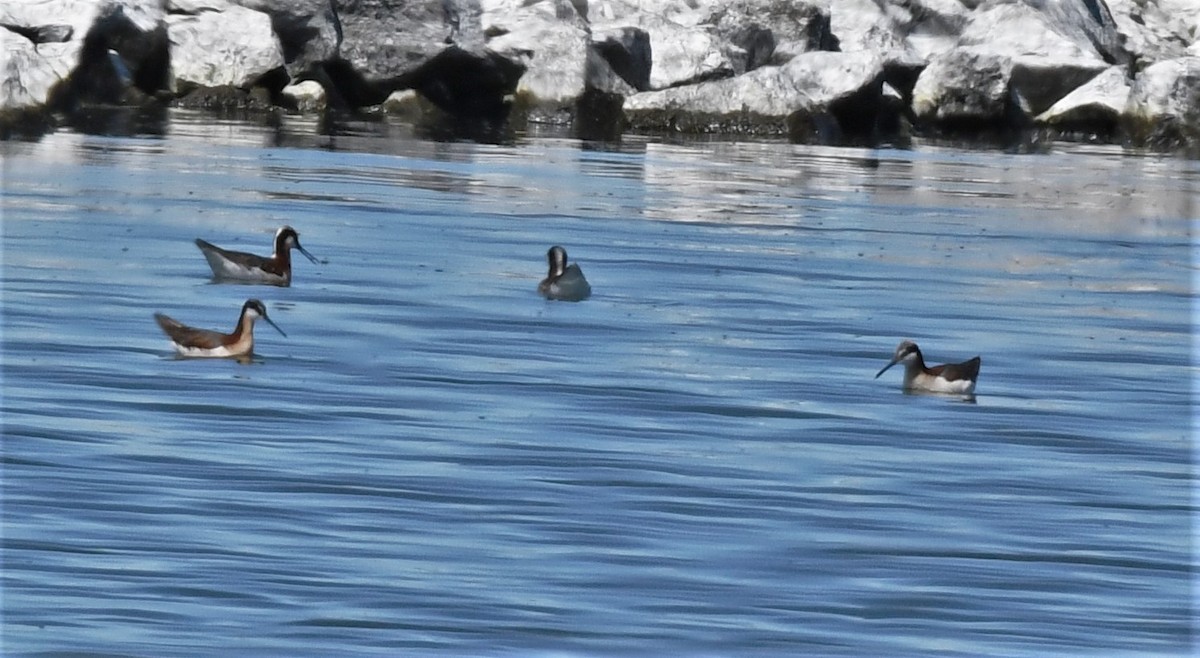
(956,378)
(193,342)
(274,270)
(564,282)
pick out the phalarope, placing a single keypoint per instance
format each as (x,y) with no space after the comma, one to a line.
(956,378)
(564,282)
(274,270)
(193,342)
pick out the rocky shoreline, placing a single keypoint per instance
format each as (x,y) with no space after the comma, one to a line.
(827,71)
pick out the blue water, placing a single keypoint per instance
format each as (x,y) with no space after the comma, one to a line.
(695,461)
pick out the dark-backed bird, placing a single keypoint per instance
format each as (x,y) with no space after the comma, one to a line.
(239,266)
(949,378)
(193,342)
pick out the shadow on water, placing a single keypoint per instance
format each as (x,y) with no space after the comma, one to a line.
(112,121)
(434,127)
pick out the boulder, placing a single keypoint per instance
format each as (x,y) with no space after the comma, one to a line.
(684,54)
(1163,110)
(870,26)
(931,27)
(700,40)
(684,49)
(830,93)
(550,39)
(761,32)
(1155,31)
(794,67)
(307,96)
(965,87)
(1095,107)
(1012,62)
(383,39)
(309,31)
(1052,52)
(235,47)
(31,72)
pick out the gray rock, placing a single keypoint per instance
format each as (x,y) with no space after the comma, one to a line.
(1011,62)
(435,47)
(382,39)
(1156,30)
(685,50)
(550,39)
(789,99)
(932,27)
(1095,106)
(1164,104)
(870,26)
(761,32)
(1087,23)
(963,86)
(701,40)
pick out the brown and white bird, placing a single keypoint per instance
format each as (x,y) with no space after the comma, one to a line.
(193,342)
(239,266)
(956,378)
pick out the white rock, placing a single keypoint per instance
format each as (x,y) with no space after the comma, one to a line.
(1158,30)
(863,25)
(309,96)
(234,47)
(28,75)
(1010,55)
(552,45)
(1018,30)
(807,81)
(683,48)
(963,84)
(1100,100)
(1167,91)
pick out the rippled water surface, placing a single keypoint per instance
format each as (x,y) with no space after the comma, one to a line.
(696,460)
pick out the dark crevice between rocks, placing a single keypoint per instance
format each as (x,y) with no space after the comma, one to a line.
(42,33)
(629,56)
(867,118)
(459,83)
(465,84)
(119,81)
(902,78)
